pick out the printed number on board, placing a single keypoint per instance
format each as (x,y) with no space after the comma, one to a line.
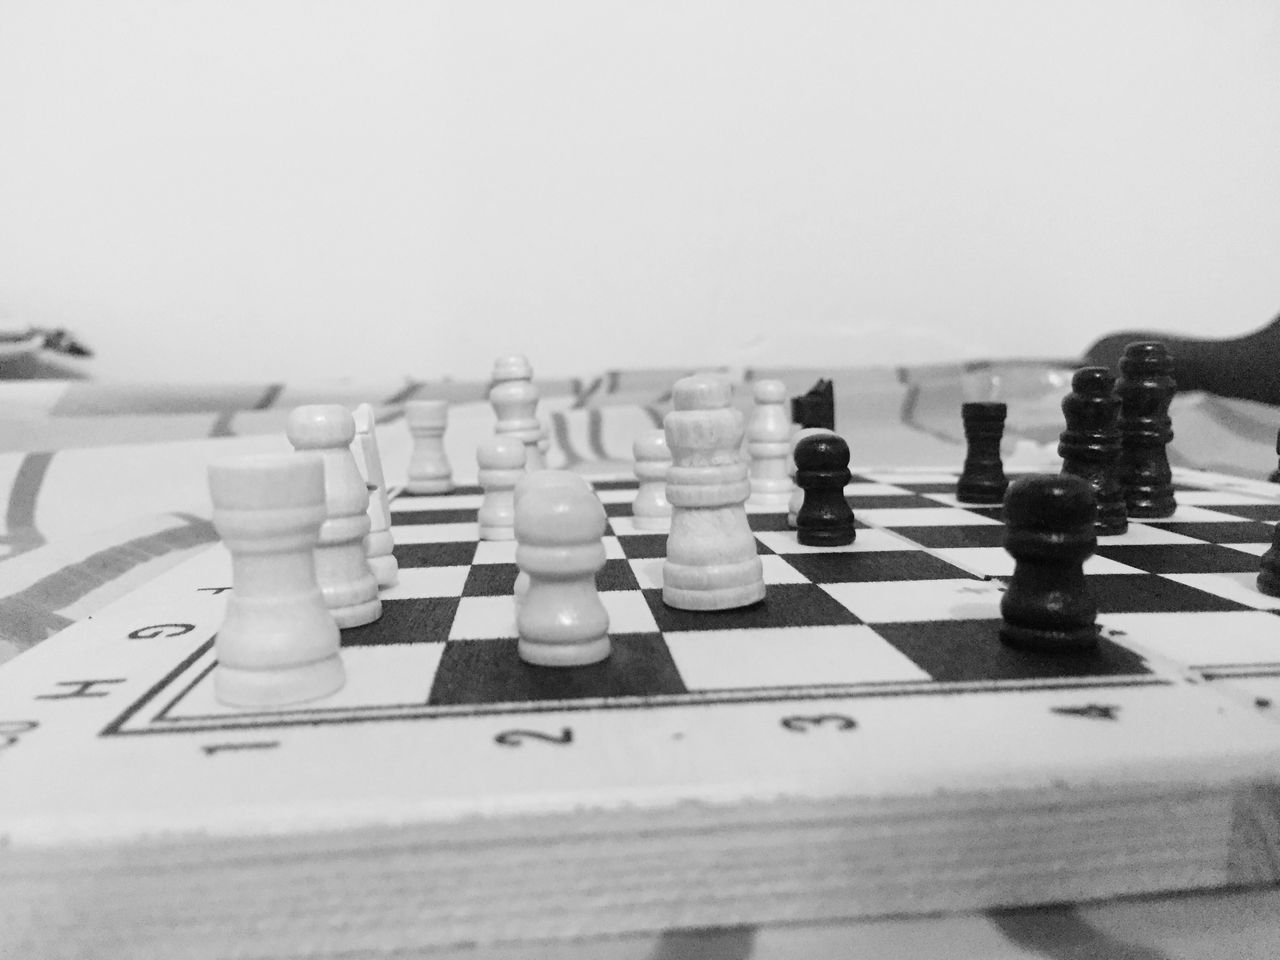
(516,738)
(830,721)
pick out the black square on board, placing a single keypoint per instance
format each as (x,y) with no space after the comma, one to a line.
(644,546)
(404,518)
(452,554)
(1180,558)
(768,522)
(491,671)
(615,484)
(784,605)
(959,535)
(1249,511)
(970,650)
(1228,531)
(617,509)
(899,501)
(490,580)
(873,566)
(421,620)
(616,575)
(1151,593)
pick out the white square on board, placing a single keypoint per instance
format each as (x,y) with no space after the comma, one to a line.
(417,582)
(923,517)
(389,675)
(1139,534)
(866,541)
(862,489)
(1193,514)
(777,570)
(648,572)
(787,656)
(998,562)
(1209,639)
(626,527)
(919,600)
(1212,498)
(495,551)
(436,532)
(484,618)
(628,612)
(1257,549)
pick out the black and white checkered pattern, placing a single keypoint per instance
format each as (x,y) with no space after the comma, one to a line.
(911,604)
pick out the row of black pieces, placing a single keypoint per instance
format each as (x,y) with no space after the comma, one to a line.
(1115,439)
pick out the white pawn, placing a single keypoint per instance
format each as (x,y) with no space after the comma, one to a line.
(278,643)
(768,446)
(342,567)
(561,621)
(542,480)
(502,464)
(429,470)
(379,546)
(712,563)
(650,510)
(797,492)
(515,404)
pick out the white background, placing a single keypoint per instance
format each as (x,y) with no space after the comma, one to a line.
(240,190)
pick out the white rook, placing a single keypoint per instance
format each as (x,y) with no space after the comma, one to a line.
(711,552)
(278,643)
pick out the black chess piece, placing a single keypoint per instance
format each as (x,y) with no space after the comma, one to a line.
(1275,474)
(1145,390)
(1090,445)
(822,470)
(1049,531)
(983,479)
(817,408)
(1269,567)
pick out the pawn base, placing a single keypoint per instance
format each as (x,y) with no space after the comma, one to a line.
(497,533)
(1269,582)
(565,654)
(237,687)
(656,524)
(1155,508)
(357,614)
(419,487)
(837,537)
(1040,640)
(981,492)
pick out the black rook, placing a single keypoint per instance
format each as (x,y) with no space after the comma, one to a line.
(983,479)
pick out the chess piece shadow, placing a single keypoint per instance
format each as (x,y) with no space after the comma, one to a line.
(1243,367)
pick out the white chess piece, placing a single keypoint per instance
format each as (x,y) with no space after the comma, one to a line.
(542,480)
(342,567)
(561,621)
(711,562)
(429,470)
(378,545)
(278,643)
(797,494)
(515,404)
(768,445)
(650,510)
(502,465)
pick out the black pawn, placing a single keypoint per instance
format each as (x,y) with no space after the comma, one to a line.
(822,470)
(1049,532)
(983,479)
(1090,446)
(1275,474)
(1145,389)
(1269,567)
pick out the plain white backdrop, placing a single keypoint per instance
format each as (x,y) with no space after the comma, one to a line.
(214,190)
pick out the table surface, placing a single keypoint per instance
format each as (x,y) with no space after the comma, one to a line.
(105,489)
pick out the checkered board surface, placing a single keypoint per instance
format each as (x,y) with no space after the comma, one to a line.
(911,607)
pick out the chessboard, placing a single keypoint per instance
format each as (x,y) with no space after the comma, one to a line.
(858,743)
